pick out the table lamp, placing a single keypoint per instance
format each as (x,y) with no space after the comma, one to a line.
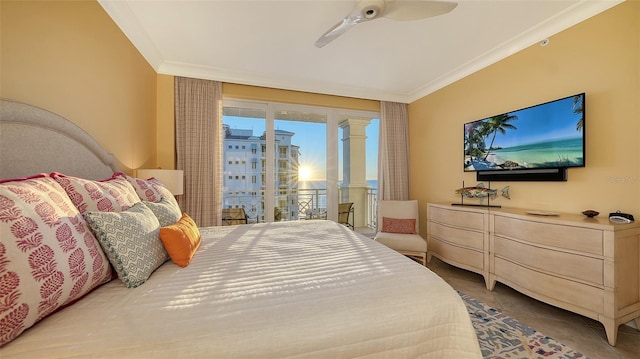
(173,180)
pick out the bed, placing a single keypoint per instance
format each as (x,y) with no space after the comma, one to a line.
(307,289)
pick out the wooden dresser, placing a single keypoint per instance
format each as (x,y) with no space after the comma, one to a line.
(586,265)
(460,237)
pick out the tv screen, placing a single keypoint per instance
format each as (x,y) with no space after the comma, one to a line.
(549,135)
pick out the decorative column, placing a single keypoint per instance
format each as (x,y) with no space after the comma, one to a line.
(354,167)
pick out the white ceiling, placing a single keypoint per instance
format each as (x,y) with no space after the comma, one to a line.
(271,42)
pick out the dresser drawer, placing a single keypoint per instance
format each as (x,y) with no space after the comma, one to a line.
(462,257)
(457,236)
(561,292)
(580,239)
(567,265)
(457,218)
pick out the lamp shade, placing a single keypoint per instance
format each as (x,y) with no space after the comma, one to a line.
(172,179)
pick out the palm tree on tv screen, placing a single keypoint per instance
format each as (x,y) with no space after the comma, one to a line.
(497,124)
(578,108)
(474,140)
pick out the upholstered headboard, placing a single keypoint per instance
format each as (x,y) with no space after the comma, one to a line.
(33,140)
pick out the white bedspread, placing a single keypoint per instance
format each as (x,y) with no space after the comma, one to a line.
(311,289)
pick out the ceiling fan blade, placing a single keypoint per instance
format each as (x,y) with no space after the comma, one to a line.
(364,10)
(405,10)
(339,29)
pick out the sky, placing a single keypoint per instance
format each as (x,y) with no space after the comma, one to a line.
(311,137)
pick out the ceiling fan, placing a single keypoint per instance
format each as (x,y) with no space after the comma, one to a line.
(403,10)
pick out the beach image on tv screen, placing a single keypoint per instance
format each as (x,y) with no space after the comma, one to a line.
(550,135)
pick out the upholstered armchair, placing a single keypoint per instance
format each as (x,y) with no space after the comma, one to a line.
(398,229)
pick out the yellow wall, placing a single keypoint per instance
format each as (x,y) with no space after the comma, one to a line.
(600,56)
(70,58)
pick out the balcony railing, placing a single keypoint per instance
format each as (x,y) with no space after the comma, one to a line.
(372,208)
(294,204)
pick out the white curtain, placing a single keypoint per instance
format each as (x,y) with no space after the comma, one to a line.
(198,116)
(393,153)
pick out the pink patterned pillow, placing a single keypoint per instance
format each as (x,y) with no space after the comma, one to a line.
(397,225)
(113,194)
(150,190)
(48,255)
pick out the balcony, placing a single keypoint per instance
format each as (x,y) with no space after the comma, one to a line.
(298,204)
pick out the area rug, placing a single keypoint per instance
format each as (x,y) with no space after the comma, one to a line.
(503,337)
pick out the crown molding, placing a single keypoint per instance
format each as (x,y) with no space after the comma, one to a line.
(562,21)
(123,17)
(279,82)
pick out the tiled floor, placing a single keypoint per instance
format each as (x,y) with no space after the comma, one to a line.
(580,333)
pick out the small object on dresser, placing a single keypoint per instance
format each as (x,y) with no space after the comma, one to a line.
(543,213)
(620,217)
(590,213)
(480,192)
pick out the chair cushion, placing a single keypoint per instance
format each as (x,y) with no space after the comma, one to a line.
(402,242)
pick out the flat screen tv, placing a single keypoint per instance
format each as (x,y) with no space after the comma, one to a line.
(545,136)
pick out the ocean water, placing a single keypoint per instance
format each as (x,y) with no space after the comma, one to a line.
(550,153)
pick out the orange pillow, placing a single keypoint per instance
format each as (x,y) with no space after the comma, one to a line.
(399,225)
(181,240)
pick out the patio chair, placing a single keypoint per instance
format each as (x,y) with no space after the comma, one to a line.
(345,214)
(233,216)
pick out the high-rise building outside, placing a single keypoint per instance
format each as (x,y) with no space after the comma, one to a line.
(244,169)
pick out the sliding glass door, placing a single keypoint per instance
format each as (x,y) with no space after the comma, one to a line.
(282,161)
(301,164)
(244,160)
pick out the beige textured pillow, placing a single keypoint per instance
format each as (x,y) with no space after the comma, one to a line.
(164,211)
